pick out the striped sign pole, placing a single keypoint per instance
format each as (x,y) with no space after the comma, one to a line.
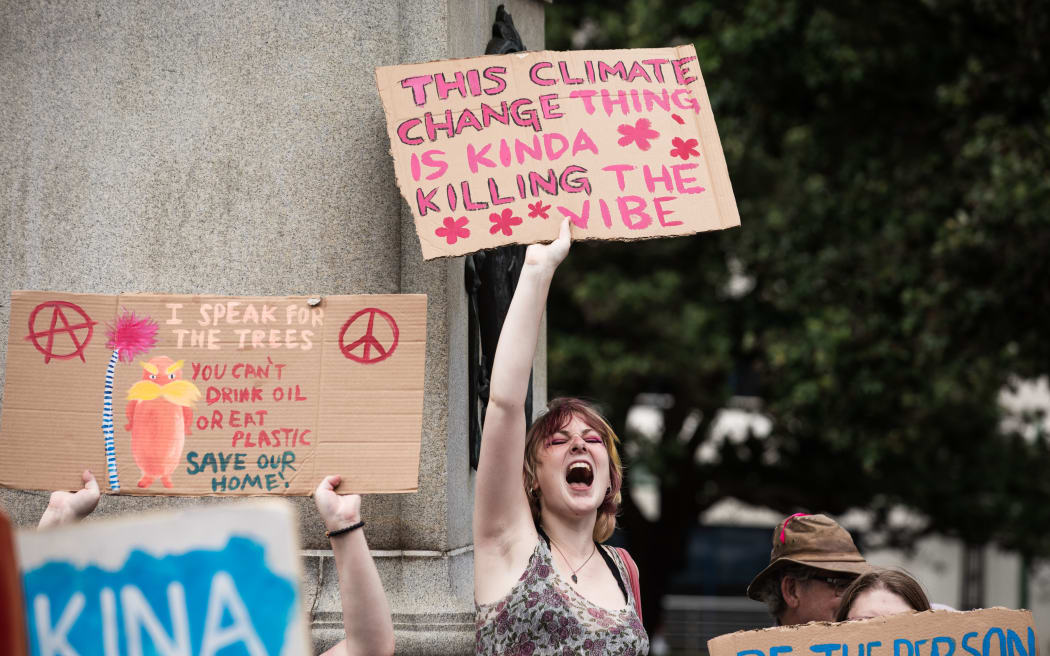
(107,423)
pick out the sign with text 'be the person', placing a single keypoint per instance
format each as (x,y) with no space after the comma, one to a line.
(987,632)
(208,581)
(203,395)
(498,150)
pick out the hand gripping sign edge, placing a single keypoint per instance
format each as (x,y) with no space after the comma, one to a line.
(368,340)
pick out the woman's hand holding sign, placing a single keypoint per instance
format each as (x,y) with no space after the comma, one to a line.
(67,507)
(337,510)
(549,256)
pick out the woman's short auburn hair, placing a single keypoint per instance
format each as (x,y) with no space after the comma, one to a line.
(558,415)
(896,581)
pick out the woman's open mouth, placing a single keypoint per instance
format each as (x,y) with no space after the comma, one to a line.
(579,475)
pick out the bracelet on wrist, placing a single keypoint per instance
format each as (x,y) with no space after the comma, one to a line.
(344,530)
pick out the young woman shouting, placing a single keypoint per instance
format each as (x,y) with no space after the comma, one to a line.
(545,499)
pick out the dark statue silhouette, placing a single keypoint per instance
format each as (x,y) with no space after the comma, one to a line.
(490,278)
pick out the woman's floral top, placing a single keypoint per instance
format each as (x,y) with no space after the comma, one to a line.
(543,615)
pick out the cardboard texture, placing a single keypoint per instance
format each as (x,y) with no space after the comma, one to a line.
(224,579)
(12,613)
(497,150)
(986,632)
(203,395)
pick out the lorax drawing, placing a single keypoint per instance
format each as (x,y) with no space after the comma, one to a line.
(160,416)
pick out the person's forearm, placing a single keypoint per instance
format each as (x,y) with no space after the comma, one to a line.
(501,509)
(52,518)
(366,612)
(517,342)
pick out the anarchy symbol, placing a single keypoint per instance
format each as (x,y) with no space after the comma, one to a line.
(58,316)
(367,343)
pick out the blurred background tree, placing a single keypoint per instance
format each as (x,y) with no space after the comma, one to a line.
(891,276)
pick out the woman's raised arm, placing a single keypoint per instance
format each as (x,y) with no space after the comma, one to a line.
(501,510)
(366,613)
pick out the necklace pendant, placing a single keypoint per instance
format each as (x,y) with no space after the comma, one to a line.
(574,579)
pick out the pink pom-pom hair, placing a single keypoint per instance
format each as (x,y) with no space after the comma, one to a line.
(131,335)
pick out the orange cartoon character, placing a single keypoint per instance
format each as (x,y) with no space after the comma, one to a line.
(160,415)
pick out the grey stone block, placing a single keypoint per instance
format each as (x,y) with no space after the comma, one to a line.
(311,581)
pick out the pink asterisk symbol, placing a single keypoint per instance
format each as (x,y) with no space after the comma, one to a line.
(453,229)
(538,210)
(504,222)
(684,148)
(640,133)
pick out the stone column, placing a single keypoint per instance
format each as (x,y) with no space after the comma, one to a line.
(240,148)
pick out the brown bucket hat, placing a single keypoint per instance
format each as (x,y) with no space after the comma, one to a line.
(815,541)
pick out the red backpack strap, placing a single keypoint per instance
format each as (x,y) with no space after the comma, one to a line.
(632,573)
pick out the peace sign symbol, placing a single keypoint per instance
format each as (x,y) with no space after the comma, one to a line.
(368,342)
(57,315)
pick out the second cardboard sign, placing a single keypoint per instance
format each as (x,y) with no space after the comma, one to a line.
(201,395)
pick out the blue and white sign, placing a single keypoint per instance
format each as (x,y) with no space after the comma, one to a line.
(221,581)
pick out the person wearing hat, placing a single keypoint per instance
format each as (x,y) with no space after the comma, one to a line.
(812,563)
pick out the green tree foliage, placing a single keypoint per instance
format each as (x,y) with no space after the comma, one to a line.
(891,163)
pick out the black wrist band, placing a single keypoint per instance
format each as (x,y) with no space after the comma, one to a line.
(345,529)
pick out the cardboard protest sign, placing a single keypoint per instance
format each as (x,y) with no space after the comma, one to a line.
(217,580)
(168,394)
(497,150)
(987,632)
